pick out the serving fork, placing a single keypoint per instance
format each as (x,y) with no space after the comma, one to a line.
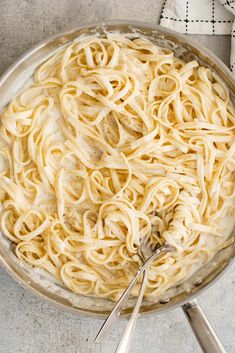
(147,254)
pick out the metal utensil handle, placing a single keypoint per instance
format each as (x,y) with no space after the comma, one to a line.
(202,329)
(125,342)
(114,315)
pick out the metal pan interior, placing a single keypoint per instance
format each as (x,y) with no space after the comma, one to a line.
(11,82)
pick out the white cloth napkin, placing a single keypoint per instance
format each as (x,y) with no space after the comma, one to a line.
(201,17)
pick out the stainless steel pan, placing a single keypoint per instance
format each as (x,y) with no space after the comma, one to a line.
(12,80)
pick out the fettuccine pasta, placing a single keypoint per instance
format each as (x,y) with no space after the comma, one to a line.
(117,141)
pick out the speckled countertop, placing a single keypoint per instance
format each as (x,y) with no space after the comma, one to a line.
(29,325)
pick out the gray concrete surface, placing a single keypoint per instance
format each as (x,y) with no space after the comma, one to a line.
(29,325)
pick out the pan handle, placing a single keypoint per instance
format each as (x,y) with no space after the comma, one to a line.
(202,329)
